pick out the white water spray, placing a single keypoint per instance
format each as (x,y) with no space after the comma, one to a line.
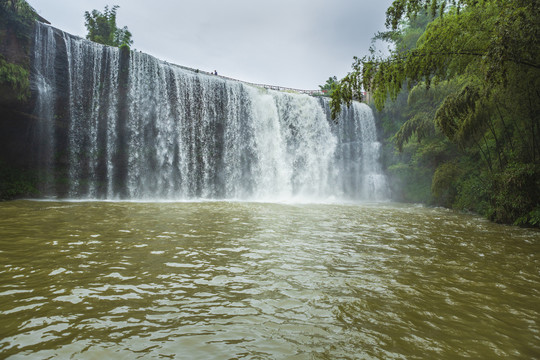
(152,130)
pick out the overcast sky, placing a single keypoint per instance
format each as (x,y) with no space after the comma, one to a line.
(290,43)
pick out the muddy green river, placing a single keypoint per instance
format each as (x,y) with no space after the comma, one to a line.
(237,280)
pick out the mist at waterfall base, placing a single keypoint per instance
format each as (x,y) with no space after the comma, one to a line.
(124,125)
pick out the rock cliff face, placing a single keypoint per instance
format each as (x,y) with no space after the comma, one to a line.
(16,118)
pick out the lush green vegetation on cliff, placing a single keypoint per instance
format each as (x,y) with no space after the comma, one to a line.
(16,77)
(460,100)
(16,21)
(18,16)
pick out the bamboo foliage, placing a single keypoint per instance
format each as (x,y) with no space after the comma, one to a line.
(472,79)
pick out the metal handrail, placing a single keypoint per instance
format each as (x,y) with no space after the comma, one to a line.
(265,86)
(280,88)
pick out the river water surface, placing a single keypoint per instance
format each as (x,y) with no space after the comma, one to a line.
(237,280)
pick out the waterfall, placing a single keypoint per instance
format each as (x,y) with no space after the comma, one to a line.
(122,124)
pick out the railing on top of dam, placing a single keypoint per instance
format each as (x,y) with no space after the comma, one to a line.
(366,97)
(280,88)
(270,87)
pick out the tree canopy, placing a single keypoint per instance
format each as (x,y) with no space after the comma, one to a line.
(102,28)
(328,87)
(472,76)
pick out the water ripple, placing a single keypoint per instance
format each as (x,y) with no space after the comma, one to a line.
(243,280)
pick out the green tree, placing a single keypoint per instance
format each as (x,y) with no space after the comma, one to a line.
(475,75)
(329,86)
(102,28)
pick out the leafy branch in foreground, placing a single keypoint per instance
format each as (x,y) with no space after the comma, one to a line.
(492,35)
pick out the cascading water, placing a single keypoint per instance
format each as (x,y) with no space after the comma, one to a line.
(118,124)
